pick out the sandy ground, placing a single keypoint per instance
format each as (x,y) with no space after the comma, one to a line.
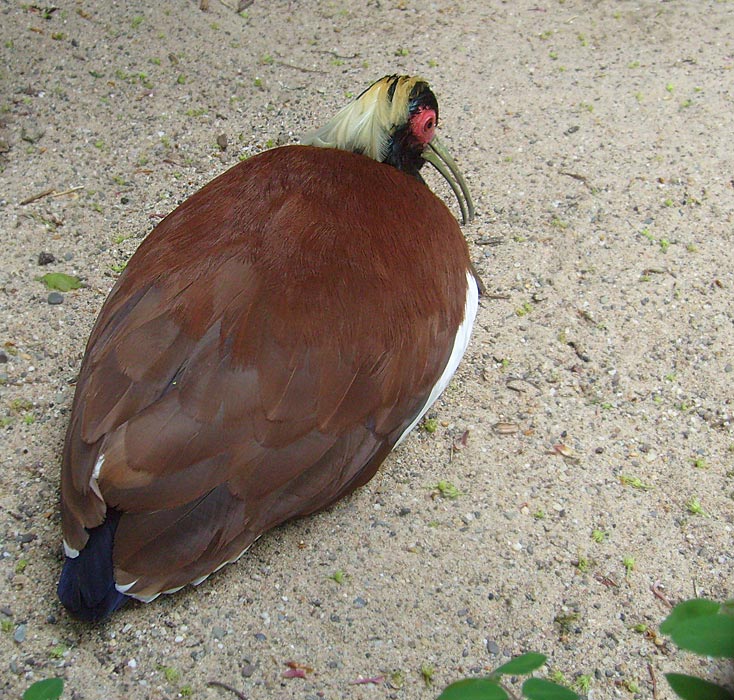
(596,394)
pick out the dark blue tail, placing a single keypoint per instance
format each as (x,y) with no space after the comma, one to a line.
(87,584)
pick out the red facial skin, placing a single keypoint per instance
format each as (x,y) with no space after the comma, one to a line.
(423,125)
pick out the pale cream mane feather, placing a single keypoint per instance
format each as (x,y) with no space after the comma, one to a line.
(366,124)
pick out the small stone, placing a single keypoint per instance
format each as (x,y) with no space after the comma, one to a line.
(45,258)
(19,634)
(27,537)
(124,200)
(51,619)
(247,670)
(360,602)
(68,256)
(218,632)
(222,141)
(492,647)
(55,298)
(3,358)
(260,637)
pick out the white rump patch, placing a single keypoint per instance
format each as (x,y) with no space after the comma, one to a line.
(461,342)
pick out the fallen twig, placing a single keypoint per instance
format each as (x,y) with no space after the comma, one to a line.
(655,588)
(219,684)
(654,681)
(364,681)
(71,190)
(38,196)
(299,68)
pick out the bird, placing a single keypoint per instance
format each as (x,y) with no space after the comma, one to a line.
(267,346)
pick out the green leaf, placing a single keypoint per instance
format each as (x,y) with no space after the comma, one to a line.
(538,689)
(687,610)
(60,281)
(526,663)
(474,689)
(708,636)
(48,689)
(692,688)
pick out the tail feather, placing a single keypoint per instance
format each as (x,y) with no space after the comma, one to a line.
(87,584)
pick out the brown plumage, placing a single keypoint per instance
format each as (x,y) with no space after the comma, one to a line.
(264,350)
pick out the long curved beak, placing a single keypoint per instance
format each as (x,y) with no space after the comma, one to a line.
(436,154)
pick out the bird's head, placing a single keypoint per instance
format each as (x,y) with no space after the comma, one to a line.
(394,121)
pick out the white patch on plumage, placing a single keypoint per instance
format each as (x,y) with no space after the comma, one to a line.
(95,476)
(94,486)
(461,342)
(126,587)
(70,551)
(148,598)
(366,125)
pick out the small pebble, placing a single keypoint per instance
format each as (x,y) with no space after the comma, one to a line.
(55,298)
(492,647)
(260,637)
(360,602)
(247,670)
(19,634)
(45,258)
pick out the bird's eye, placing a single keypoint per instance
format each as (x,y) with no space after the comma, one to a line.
(423,125)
